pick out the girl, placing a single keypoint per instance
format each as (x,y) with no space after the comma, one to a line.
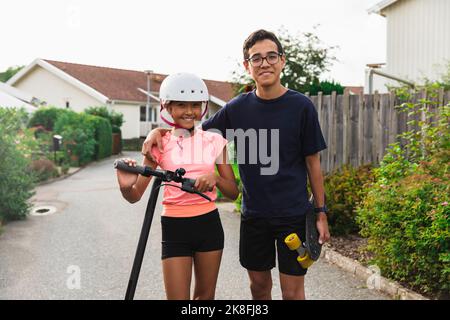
(192,233)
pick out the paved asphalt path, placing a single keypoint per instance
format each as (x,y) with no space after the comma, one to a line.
(86,248)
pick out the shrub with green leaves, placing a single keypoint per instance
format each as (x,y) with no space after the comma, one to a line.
(115,118)
(44,169)
(406,213)
(16,179)
(103,137)
(78,134)
(46,117)
(344,190)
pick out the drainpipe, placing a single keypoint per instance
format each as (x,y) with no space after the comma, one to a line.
(373,71)
(148,106)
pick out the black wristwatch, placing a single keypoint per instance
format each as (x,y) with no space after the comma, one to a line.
(323,209)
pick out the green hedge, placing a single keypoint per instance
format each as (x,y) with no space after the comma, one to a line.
(78,133)
(16,179)
(103,137)
(46,117)
(115,118)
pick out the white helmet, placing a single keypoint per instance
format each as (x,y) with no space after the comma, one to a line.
(182,87)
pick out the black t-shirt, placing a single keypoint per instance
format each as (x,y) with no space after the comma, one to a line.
(292,120)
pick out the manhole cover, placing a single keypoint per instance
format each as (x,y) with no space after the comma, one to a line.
(43,211)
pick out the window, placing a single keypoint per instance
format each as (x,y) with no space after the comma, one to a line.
(67,104)
(142,117)
(152,116)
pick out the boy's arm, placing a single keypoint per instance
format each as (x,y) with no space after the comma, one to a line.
(154,137)
(226,181)
(317,186)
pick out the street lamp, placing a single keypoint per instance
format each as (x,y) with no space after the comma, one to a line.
(147,107)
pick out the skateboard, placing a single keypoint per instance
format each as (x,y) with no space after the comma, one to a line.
(310,249)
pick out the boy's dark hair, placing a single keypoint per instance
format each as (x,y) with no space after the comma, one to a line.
(259,36)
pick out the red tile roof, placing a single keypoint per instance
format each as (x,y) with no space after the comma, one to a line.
(119,84)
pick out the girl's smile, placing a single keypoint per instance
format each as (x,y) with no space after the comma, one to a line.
(184,113)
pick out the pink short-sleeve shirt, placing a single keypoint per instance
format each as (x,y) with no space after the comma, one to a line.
(197,154)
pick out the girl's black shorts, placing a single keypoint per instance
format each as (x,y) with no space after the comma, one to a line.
(185,236)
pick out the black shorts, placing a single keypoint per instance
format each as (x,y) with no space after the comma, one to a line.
(259,236)
(184,236)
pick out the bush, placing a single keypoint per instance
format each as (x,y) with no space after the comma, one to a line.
(103,137)
(46,117)
(326,87)
(114,118)
(134,144)
(78,134)
(406,213)
(344,190)
(44,169)
(407,223)
(16,180)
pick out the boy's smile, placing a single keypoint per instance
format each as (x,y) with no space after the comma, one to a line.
(265,75)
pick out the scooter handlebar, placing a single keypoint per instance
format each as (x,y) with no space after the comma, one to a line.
(187,184)
(121,165)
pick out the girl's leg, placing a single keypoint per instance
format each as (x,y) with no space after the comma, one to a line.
(206,268)
(177,277)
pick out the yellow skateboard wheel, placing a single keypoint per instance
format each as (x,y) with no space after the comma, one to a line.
(305,261)
(293,241)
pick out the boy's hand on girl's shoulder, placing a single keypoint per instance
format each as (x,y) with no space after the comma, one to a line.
(206,182)
(153,138)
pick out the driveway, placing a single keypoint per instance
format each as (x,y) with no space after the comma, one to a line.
(85,249)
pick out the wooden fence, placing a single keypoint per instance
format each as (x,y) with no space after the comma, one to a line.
(358,128)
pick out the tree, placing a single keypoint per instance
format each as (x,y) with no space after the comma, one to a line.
(306,59)
(9,73)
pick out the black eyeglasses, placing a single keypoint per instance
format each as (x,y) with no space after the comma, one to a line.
(271,58)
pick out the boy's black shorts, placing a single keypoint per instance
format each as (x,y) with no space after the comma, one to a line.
(258,239)
(184,236)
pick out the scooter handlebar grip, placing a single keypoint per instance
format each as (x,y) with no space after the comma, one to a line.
(121,165)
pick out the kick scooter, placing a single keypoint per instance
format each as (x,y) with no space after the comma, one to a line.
(187,185)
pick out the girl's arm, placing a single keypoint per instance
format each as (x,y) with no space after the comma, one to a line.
(133,185)
(226,181)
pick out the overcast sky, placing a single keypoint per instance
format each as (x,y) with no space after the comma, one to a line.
(200,36)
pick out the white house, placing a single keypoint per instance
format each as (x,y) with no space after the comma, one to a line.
(418,39)
(11,97)
(77,86)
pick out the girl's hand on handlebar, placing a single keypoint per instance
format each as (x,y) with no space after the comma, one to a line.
(127,179)
(206,182)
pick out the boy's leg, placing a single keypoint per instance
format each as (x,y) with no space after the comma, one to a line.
(177,273)
(292,274)
(257,255)
(206,268)
(292,287)
(260,284)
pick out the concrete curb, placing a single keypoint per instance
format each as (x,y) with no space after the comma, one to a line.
(71,172)
(389,287)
